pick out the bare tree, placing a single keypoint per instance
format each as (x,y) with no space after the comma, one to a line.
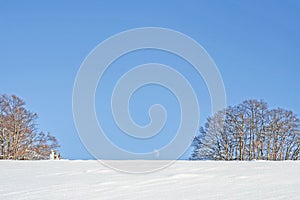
(20,138)
(249,131)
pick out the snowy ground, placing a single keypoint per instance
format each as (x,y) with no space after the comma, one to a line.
(183,180)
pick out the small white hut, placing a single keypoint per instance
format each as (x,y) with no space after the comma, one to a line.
(54,156)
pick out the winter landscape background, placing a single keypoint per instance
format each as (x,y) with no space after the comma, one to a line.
(254,44)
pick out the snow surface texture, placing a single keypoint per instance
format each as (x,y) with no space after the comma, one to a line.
(183,180)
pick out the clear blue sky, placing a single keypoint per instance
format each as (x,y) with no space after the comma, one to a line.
(255,44)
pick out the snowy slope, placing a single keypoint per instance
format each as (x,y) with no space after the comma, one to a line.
(182,180)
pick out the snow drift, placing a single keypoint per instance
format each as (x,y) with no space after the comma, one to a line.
(183,180)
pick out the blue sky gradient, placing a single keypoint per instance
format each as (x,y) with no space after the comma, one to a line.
(255,44)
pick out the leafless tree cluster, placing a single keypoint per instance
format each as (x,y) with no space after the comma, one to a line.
(19,137)
(249,131)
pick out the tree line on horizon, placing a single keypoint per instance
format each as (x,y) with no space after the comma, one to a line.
(19,135)
(249,131)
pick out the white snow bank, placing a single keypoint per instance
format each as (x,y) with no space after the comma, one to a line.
(183,180)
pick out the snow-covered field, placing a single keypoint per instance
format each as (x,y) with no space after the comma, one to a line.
(183,180)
